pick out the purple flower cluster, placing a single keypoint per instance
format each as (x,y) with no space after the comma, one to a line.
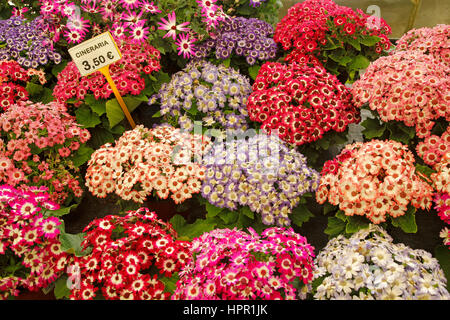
(215,95)
(250,38)
(260,172)
(26,43)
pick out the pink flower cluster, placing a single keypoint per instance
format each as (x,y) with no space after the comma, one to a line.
(311,25)
(234,265)
(13,79)
(143,161)
(441,182)
(29,238)
(127,73)
(127,255)
(432,41)
(374,179)
(406,86)
(37,141)
(433,148)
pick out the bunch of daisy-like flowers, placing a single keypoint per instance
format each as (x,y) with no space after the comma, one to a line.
(329,32)
(13,81)
(431,41)
(433,148)
(130,256)
(233,265)
(299,102)
(375,179)
(125,18)
(261,173)
(127,73)
(214,95)
(26,42)
(369,266)
(441,182)
(144,162)
(37,145)
(30,250)
(250,38)
(407,86)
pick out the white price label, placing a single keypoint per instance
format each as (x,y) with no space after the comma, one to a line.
(96,53)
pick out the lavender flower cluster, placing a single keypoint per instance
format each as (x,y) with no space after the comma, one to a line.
(25,42)
(215,95)
(260,172)
(370,266)
(250,38)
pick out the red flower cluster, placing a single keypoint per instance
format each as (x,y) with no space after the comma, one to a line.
(310,26)
(13,79)
(29,238)
(126,73)
(125,252)
(300,102)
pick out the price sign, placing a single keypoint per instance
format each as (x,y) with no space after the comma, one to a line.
(95,53)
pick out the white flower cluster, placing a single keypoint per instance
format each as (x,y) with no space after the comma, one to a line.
(370,266)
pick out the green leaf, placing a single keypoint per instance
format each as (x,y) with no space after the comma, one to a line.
(354,43)
(359,62)
(335,226)
(442,254)
(328,208)
(398,134)
(114,111)
(82,155)
(228,216)
(161,78)
(341,215)
(193,109)
(424,169)
(189,231)
(47,96)
(71,243)
(170,283)
(323,143)
(212,210)
(157,115)
(98,106)
(373,128)
(369,41)
(86,117)
(61,211)
(247,212)
(34,89)
(61,290)
(253,71)
(407,222)
(56,70)
(356,223)
(226,62)
(300,215)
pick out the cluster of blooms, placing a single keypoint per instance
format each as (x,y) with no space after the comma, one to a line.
(250,38)
(127,254)
(215,95)
(369,266)
(26,43)
(261,173)
(125,18)
(309,25)
(374,179)
(13,79)
(37,141)
(434,148)
(234,265)
(30,238)
(406,86)
(441,182)
(433,41)
(145,160)
(300,102)
(127,73)
(212,13)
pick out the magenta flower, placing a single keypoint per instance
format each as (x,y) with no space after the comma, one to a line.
(130,4)
(171,26)
(139,32)
(150,7)
(185,45)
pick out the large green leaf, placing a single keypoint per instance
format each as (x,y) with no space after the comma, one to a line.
(247,212)
(82,155)
(86,117)
(300,215)
(61,211)
(228,216)
(114,111)
(356,223)
(170,283)
(353,42)
(373,128)
(189,231)
(71,243)
(253,71)
(34,89)
(97,105)
(61,290)
(212,210)
(369,41)
(335,226)
(442,254)
(407,222)
(359,62)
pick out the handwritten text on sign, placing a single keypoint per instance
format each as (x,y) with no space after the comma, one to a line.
(95,53)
